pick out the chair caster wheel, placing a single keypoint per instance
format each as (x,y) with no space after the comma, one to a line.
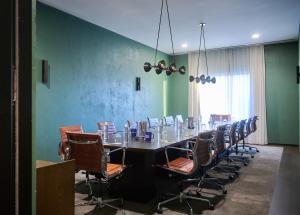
(236,173)
(224,191)
(245,164)
(257,150)
(231,177)
(159,211)
(211,207)
(252,156)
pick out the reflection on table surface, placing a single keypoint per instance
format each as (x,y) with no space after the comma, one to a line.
(168,137)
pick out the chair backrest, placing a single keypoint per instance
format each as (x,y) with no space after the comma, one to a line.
(179,118)
(169,120)
(220,141)
(153,122)
(241,128)
(248,127)
(111,127)
(220,117)
(202,152)
(253,123)
(88,152)
(232,133)
(64,139)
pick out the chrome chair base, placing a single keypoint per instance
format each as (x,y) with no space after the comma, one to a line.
(99,201)
(184,197)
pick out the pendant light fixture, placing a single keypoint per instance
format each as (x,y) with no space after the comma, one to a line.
(161,65)
(202,78)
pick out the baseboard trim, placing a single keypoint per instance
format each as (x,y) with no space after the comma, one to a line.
(280,144)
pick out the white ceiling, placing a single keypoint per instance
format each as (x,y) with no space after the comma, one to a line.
(229,22)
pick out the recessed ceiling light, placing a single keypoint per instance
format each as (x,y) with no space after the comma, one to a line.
(184,45)
(255,36)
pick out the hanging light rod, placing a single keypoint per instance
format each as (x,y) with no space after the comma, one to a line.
(161,65)
(202,78)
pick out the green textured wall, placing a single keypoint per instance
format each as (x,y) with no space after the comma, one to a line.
(282,97)
(178,90)
(92,78)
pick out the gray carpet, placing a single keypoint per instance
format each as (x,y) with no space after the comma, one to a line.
(249,194)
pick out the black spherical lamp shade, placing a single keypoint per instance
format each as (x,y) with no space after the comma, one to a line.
(161,64)
(168,72)
(208,79)
(213,80)
(158,71)
(202,77)
(172,67)
(182,70)
(147,67)
(191,78)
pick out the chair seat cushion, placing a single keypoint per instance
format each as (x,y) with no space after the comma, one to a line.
(113,169)
(181,164)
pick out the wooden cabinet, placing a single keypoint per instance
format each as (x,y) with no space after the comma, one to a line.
(55,187)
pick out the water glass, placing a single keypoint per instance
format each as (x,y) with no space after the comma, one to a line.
(118,138)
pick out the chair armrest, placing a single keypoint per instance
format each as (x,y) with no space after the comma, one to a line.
(118,132)
(190,143)
(116,150)
(176,148)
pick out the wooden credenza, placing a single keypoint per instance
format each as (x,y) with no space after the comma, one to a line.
(55,187)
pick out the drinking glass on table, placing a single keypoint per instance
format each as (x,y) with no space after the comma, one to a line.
(117,138)
(164,133)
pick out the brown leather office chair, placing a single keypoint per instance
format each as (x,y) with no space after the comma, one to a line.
(190,168)
(220,150)
(246,148)
(253,126)
(64,145)
(89,155)
(234,138)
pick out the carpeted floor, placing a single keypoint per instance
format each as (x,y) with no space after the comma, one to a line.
(249,194)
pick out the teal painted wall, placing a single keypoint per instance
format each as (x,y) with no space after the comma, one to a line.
(92,78)
(178,89)
(282,96)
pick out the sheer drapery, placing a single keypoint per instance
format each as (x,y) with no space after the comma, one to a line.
(239,90)
(194,97)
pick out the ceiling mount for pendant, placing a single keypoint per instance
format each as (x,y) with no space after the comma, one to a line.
(161,65)
(202,78)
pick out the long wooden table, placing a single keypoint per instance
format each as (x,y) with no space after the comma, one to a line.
(138,182)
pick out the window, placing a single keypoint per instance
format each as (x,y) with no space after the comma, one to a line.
(230,95)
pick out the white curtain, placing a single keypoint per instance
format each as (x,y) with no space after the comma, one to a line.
(257,96)
(194,96)
(240,87)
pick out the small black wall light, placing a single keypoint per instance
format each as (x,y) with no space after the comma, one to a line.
(137,83)
(45,71)
(297,75)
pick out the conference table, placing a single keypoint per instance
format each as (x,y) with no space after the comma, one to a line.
(139,180)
